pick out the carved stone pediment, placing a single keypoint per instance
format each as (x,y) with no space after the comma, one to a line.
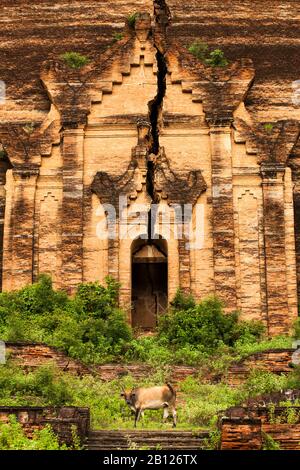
(27,142)
(110,187)
(183,189)
(219,89)
(274,141)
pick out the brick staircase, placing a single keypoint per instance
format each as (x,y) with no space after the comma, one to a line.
(124,440)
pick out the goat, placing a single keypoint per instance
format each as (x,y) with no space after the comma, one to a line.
(152,398)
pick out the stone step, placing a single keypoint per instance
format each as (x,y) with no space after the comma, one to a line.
(109,440)
(145,446)
(148,433)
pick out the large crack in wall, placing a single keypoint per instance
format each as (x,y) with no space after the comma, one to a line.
(162,18)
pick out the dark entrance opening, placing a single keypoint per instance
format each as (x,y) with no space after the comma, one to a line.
(4,166)
(149,283)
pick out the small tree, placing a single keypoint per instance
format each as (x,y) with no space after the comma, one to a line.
(118,37)
(268,126)
(269,443)
(217,59)
(131,19)
(3,154)
(75,60)
(199,49)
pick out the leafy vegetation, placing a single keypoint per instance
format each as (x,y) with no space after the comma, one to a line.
(74,60)
(12,437)
(269,443)
(214,440)
(215,58)
(297,329)
(118,37)
(289,415)
(205,324)
(131,19)
(29,128)
(268,126)
(200,50)
(3,153)
(88,326)
(198,402)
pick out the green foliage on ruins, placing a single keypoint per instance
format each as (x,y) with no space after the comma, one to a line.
(268,126)
(74,60)
(205,324)
(199,49)
(269,443)
(3,154)
(215,58)
(297,329)
(118,37)
(131,19)
(90,326)
(12,437)
(29,128)
(198,407)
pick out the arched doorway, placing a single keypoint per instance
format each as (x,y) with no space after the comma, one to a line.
(4,166)
(149,282)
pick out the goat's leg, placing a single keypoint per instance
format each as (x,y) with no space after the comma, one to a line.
(138,412)
(166,414)
(174,417)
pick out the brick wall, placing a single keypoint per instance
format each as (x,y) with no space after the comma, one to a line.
(243,428)
(62,420)
(31,356)
(273,360)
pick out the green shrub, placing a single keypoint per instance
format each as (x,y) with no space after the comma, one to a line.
(50,384)
(214,440)
(269,443)
(268,127)
(263,382)
(35,299)
(198,406)
(88,326)
(118,37)
(297,329)
(3,154)
(149,350)
(74,60)
(204,325)
(131,19)
(294,379)
(96,300)
(199,49)
(215,58)
(12,437)
(182,301)
(47,384)
(247,346)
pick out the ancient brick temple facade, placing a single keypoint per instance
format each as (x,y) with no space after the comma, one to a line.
(147,122)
